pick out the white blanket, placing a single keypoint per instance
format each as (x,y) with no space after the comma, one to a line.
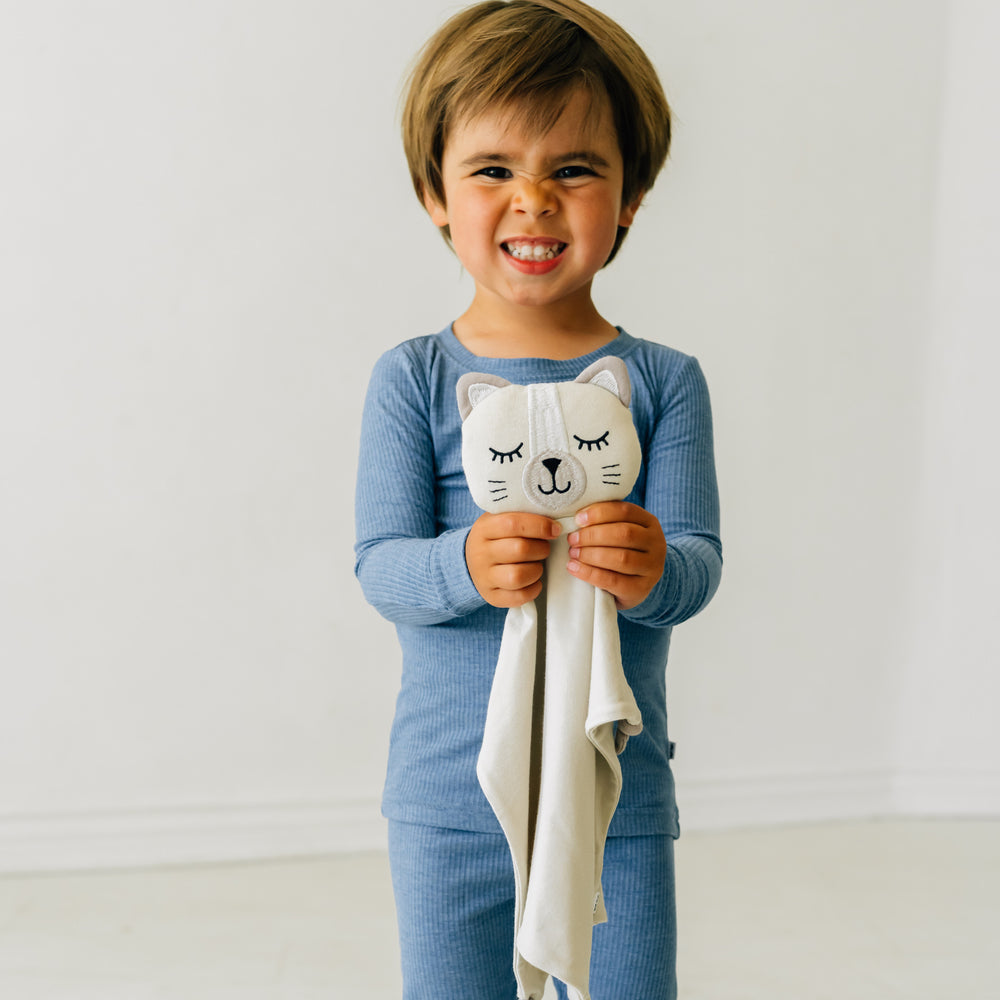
(549,767)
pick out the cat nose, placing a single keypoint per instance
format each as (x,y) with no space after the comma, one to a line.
(552,464)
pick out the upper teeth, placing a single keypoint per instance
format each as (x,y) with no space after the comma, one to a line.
(534,251)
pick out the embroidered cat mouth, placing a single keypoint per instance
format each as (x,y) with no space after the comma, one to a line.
(551,466)
(553,482)
(555,489)
(531,252)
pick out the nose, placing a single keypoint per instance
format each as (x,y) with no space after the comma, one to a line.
(533,198)
(552,464)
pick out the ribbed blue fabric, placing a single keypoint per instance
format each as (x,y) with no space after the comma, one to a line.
(413,512)
(454,892)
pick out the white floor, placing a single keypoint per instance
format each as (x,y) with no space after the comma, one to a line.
(859,911)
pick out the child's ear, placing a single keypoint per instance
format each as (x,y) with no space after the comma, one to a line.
(627,216)
(437,211)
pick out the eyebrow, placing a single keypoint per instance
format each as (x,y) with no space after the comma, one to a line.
(585,155)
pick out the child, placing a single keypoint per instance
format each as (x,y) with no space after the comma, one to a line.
(533,128)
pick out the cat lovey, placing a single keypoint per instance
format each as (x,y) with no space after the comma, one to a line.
(552,448)
(560,708)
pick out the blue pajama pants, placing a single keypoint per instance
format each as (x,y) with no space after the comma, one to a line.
(454,894)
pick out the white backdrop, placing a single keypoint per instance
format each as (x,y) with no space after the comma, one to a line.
(207,236)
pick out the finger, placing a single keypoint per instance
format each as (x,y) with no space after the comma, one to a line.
(626,590)
(514,598)
(521,525)
(516,576)
(623,562)
(617,534)
(519,550)
(611,511)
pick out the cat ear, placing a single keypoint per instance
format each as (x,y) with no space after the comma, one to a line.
(474,387)
(610,374)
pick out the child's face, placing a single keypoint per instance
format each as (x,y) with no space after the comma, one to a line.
(534,217)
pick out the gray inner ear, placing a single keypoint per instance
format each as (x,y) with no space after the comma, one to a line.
(611,374)
(474,387)
(606,381)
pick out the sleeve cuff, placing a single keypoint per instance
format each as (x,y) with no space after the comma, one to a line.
(460,592)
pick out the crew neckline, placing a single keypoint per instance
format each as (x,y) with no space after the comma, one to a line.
(621,345)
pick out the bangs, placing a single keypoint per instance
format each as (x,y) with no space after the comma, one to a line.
(534,110)
(529,71)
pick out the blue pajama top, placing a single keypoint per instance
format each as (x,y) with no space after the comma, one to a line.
(413,513)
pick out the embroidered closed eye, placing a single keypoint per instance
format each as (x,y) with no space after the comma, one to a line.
(597,443)
(506,456)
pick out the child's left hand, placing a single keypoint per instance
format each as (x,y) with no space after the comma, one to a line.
(619,547)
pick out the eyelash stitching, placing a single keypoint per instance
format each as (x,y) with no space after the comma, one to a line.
(598,443)
(507,456)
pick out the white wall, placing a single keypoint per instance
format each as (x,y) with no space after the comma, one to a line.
(208,237)
(948,744)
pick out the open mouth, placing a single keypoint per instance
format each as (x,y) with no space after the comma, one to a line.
(530,252)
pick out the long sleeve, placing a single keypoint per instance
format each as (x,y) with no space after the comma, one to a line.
(680,489)
(411,568)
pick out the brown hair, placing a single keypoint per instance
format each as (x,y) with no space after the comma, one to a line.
(529,56)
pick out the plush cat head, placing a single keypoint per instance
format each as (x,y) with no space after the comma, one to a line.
(551,448)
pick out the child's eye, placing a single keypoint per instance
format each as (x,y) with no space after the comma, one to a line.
(494,173)
(597,443)
(573,172)
(506,456)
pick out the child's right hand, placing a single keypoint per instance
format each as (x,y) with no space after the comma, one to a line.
(506,553)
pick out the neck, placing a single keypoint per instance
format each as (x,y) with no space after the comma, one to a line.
(560,331)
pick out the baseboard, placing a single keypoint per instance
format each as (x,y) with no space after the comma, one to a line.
(201,834)
(768,799)
(932,792)
(196,834)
